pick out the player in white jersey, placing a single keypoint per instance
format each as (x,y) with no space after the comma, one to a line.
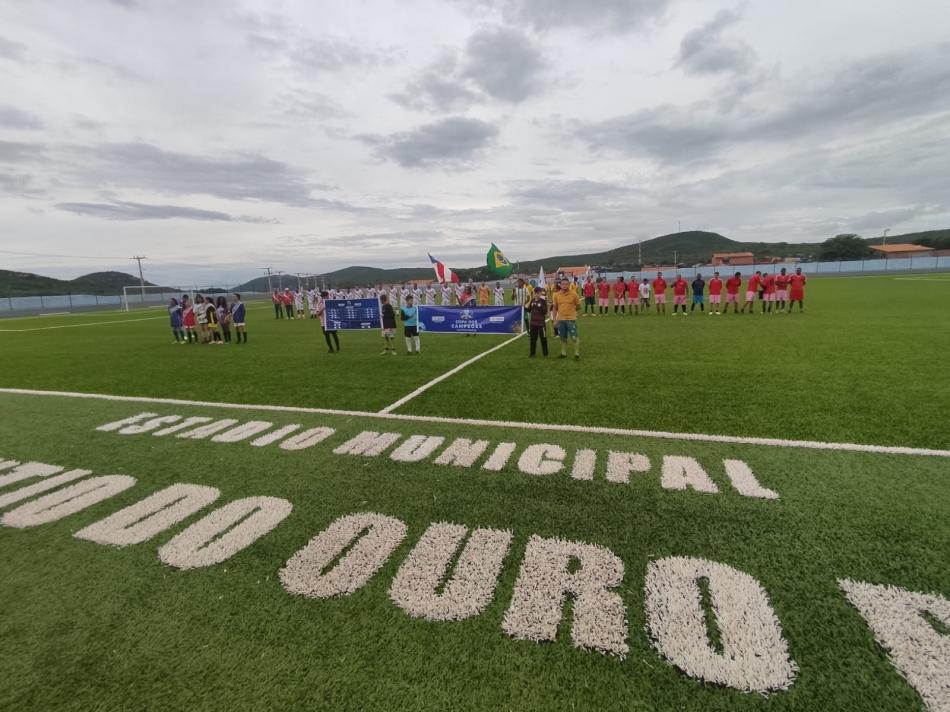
(372,293)
(309,294)
(499,295)
(298,303)
(446,295)
(459,291)
(430,296)
(417,292)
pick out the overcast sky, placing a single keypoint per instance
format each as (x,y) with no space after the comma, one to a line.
(220,137)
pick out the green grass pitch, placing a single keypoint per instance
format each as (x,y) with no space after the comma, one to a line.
(91,626)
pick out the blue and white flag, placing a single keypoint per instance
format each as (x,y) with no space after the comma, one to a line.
(473,320)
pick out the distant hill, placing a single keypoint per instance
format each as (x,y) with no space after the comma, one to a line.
(689,248)
(24,284)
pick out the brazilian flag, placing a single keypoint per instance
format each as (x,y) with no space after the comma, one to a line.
(498,264)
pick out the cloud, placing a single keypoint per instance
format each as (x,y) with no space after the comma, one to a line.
(121,210)
(867,94)
(309,105)
(19,185)
(16,152)
(236,177)
(454,141)
(497,63)
(13,118)
(276,37)
(504,63)
(705,50)
(607,17)
(11,50)
(569,195)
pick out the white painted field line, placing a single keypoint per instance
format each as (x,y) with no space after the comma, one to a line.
(922,279)
(91,323)
(517,425)
(423,388)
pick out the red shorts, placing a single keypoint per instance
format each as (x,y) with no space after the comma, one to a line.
(797,296)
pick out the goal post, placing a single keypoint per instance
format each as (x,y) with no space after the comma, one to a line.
(135,296)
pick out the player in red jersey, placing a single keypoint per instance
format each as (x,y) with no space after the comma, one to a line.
(589,296)
(781,289)
(679,294)
(620,295)
(603,294)
(633,295)
(768,298)
(659,292)
(750,291)
(733,285)
(715,293)
(797,281)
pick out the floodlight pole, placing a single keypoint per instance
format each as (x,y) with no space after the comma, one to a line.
(885,237)
(139,258)
(279,283)
(268,270)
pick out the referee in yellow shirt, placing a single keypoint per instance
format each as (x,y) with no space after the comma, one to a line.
(564,315)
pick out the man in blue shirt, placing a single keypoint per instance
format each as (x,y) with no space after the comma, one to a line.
(699,288)
(409,313)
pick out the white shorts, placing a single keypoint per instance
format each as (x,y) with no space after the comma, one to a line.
(770,297)
(661,299)
(239,323)
(714,298)
(750,296)
(782,295)
(732,298)
(604,302)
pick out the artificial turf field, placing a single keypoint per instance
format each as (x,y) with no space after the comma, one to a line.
(87,626)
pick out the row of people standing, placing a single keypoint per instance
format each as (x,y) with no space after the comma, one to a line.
(207,320)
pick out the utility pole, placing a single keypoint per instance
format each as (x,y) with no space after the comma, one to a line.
(885,236)
(269,287)
(298,280)
(139,258)
(640,254)
(280,286)
(679,226)
(676,262)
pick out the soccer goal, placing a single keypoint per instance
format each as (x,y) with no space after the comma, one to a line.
(136,296)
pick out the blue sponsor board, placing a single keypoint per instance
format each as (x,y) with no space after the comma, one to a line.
(470,320)
(353,314)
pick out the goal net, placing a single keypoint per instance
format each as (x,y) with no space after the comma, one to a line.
(138,297)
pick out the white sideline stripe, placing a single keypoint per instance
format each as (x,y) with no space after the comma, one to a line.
(517,425)
(91,323)
(922,279)
(72,326)
(423,388)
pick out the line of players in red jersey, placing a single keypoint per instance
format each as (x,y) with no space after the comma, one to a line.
(776,293)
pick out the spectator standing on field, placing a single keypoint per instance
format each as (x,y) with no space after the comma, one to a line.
(537,316)
(224,318)
(699,293)
(175,317)
(389,325)
(237,317)
(564,315)
(327,334)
